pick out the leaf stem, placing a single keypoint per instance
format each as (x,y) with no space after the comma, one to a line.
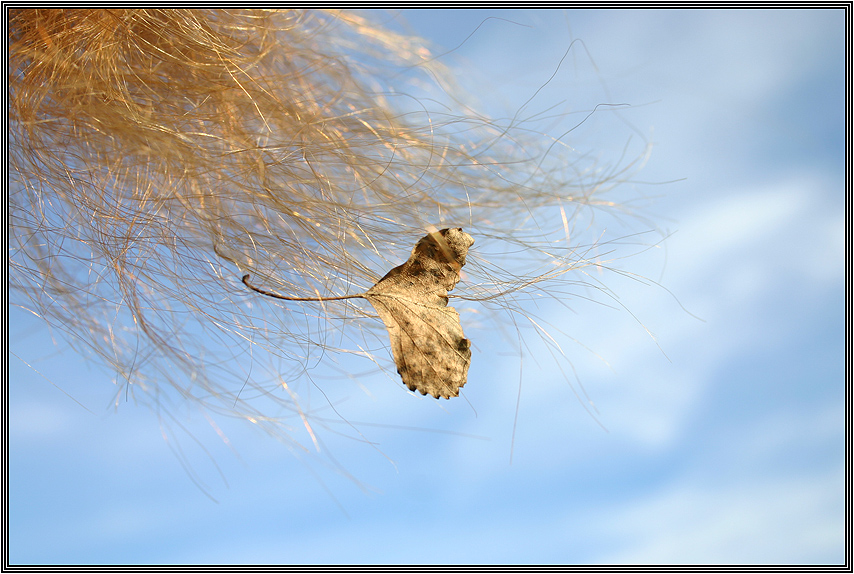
(286,298)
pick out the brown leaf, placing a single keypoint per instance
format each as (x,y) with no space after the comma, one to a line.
(427,342)
(431,353)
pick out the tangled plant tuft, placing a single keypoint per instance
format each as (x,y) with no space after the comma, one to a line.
(157,156)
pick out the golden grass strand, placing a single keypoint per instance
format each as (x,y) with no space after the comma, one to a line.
(158,155)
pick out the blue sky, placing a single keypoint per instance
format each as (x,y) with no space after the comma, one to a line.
(724,445)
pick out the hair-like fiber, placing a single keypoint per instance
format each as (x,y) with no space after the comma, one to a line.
(157,155)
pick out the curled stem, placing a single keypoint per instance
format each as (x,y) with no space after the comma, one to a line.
(245,280)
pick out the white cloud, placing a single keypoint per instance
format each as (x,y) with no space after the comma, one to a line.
(763,520)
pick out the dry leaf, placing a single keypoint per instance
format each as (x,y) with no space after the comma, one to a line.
(430,351)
